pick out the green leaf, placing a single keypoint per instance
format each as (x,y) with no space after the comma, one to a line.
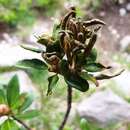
(13,91)
(92,56)
(44,39)
(77,82)
(32,64)
(56,28)
(89,77)
(84,125)
(2,96)
(52,83)
(73,79)
(28,114)
(95,67)
(27,100)
(104,76)
(9,125)
(30,48)
(80,60)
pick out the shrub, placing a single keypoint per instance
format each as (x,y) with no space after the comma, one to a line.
(14,106)
(69,53)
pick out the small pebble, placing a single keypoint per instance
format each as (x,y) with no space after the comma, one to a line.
(122,12)
(125,42)
(128,7)
(102,14)
(121,1)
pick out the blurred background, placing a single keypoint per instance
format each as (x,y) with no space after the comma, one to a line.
(104,108)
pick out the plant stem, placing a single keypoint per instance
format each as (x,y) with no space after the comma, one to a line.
(21,122)
(69,101)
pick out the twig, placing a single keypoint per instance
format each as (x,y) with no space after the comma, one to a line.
(69,101)
(21,122)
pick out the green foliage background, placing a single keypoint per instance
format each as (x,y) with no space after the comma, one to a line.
(14,11)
